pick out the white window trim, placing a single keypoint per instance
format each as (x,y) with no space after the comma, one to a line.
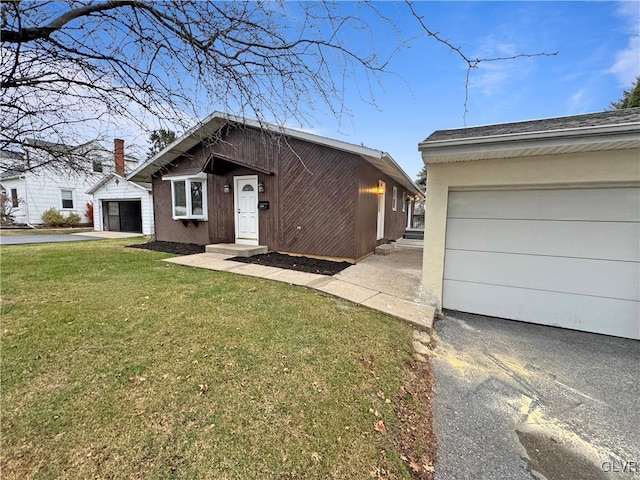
(394,199)
(199,177)
(73,199)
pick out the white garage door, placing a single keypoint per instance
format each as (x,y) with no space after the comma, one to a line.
(564,257)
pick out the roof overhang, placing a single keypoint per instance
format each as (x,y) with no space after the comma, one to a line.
(555,142)
(214,122)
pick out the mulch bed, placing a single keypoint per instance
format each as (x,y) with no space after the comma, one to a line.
(301,264)
(171,247)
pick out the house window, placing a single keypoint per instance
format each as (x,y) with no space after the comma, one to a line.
(97,166)
(394,199)
(404,201)
(67,199)
(189,197)
(14,198)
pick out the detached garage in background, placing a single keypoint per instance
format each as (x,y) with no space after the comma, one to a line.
(537,221)
(119,204)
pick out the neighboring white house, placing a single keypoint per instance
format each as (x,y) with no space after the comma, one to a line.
(120,205)
(35,186)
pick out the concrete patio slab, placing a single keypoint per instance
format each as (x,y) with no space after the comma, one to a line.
(419,315)
(348,291)
(398,274)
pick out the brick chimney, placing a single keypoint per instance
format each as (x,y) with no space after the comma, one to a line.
(118,155)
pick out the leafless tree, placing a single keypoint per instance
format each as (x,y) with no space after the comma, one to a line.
(70,68)
(67,67)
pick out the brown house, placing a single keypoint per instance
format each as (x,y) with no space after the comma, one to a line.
(237,181)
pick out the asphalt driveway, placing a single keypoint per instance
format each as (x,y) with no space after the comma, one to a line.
(515,400)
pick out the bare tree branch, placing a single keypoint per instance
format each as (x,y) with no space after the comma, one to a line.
(472,63)
(165,64)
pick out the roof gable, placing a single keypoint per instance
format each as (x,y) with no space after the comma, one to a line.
(209,128)
(113,177)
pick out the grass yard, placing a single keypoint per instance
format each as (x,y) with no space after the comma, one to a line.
(118,365)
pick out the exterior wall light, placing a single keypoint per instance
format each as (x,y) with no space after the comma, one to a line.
(226,188)
(260,187)
(381,188)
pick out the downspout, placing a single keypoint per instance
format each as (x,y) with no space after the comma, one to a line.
(26,194)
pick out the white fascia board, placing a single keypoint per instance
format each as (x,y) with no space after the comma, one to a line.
(197,176)
(180,146)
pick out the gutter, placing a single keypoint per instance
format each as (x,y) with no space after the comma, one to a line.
(566,133)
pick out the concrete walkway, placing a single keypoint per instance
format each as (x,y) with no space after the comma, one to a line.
(389,284)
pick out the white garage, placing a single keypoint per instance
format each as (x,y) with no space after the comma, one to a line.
(567,257)
(121,205)
(538,221)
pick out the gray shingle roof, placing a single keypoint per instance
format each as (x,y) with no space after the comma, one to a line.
(615,117)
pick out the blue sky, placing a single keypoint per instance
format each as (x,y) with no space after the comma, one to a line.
(599,56)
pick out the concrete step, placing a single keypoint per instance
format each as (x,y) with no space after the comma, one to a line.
(236,249)
(414,234)
(409,243)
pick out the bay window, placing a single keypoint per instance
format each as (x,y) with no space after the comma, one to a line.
(189,197)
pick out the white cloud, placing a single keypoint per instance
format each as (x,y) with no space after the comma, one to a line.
(627,64)
(576,102)
(627,61)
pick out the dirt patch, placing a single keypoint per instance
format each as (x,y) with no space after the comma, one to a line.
(415,439)
(301,264)
(171,247)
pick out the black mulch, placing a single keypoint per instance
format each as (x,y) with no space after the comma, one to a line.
(301,264)
(172,247)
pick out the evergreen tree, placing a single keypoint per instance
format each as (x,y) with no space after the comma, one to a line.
(630,98)
(159,139)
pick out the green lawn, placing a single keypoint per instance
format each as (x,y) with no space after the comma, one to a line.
(118,365)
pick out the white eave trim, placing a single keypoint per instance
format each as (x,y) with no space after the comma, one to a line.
(609,137)
(195,176)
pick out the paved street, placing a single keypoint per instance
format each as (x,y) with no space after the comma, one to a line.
(513,398)
(26,239)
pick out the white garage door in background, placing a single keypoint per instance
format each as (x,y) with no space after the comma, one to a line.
(566,257)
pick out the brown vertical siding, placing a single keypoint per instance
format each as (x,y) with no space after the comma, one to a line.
(166,228)
(251,147)
(222,215)
(394,222)
(318,202)
(322,201)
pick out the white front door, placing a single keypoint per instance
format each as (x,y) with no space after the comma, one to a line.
(380,229)
(246,209)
